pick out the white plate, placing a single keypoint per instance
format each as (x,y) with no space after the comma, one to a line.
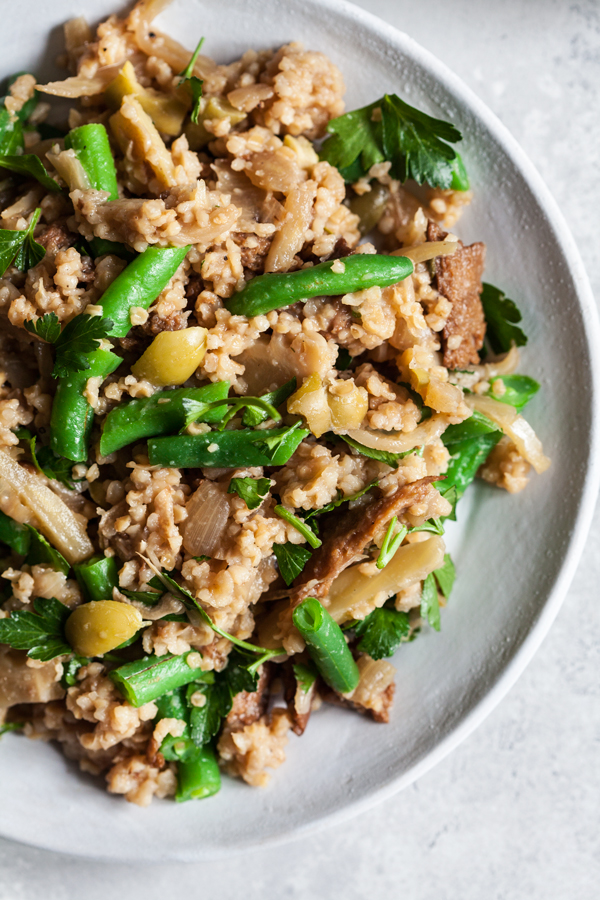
(515,554)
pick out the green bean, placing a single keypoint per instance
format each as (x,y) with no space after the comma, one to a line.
(97,577)
(100,247)
(465,459)
(198,776)
(72,415)
(460,179)
(90,143)
(363,270)
(163,413)
(149,678)
(327,646)
(476,425)
(139,285)
(227,448)
(14,534)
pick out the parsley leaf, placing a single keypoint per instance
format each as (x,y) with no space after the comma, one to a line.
(14,534)
(501,314)
(70,669)
(445,576)
(254,415)
(382,632)
(197,409)
(291,559)
(39,632)
(31,166)
(270,445)
(430,604)
(53,466)
(19,248)
(205,721)
(417,145)
(434,526)
(41,551)
(11,133)
(150,598)
(251,490)
(78,339)
(47,327)
(193,83)
(519,390)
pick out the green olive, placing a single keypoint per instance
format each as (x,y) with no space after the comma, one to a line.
(369,207)
(98,627)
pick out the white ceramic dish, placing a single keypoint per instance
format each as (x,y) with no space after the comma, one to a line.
(515,555)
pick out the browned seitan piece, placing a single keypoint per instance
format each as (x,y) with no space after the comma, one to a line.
(298,701)
(351,534)
(56,237)
(458,278)
(382,715)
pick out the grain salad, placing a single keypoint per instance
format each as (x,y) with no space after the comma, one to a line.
(249,369)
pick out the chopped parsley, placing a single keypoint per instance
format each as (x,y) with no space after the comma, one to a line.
(193,83)
(501,316)
(254,415)
(251,490)
(382,632)
(329,507)
(19,248)
(305,676)
(47,327)
(77,340)
(41,632)
(30,166)
(445,576)
(430,604)
(301,526)
(291,559)
(391,543)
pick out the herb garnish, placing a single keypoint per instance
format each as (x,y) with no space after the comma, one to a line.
(501,314)
(254,415)
(305,676)
(74,343)
(291,559)
(193,83)
(301,526)
(41,632)
(391,543)
(31,166)
(417,145)
(382,632)
(251,490)
(19,248)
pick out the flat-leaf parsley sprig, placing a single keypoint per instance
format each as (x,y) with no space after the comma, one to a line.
(417,145)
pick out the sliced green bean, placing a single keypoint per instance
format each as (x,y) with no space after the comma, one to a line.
(90,143)
(198,776)
(72,415)
(149,678)
(163,413)
(519,390)
(476,425)
(360,271)
(246,447)
(139,285)
(14,534)
(97,577)
(460,179)
(327,646)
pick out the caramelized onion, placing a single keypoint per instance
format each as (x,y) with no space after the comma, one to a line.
(423,434)
(25,496)
(515,427)
(354,595)
(208,510)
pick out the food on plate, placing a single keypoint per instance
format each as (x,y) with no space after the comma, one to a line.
(249,370)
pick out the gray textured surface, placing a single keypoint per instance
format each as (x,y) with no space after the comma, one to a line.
(513,813)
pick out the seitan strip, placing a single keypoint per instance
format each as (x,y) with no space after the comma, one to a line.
(458,278)
(352,534)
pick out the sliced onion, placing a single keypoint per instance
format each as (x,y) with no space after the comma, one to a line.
(69,168)
(25,492)
(423,434)
(76,86)
(428,250)
(208,511)
(353,594)
(514,426)
(19,683)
